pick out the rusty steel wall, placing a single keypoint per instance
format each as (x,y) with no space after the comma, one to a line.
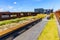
(16,14)
(57,13)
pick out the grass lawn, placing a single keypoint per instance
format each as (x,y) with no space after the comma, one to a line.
(50,32)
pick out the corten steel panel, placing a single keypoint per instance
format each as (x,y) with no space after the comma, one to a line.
(19,14)
(30,14)
(4,13)
(25,14)
(22,15)
(57,13)
(33,14)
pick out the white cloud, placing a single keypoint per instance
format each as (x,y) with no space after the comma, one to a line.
(10,7)
(14,2)
(14,9)
(1,9)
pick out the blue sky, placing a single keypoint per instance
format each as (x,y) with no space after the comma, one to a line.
(28,5)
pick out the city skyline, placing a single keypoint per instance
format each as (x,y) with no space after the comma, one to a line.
(28,5)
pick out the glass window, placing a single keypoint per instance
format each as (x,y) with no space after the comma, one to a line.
(5,16)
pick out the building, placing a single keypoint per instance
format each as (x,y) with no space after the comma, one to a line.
(41,10)
(48,11)
(12,15)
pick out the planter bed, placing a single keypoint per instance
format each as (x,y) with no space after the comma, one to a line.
(14,28)
(14,24)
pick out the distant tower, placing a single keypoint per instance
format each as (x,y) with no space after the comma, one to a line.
(40,10)
(44,11)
